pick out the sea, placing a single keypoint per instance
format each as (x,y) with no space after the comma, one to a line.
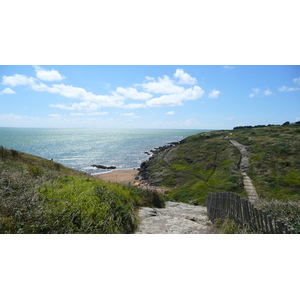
(81,148)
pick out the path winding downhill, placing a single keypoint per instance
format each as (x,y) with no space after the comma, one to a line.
(175,218)
(182,218)
(244,165)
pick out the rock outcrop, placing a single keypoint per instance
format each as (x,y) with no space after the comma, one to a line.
(104,167)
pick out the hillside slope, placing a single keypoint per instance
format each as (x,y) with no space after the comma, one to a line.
(42,196)
(208,162)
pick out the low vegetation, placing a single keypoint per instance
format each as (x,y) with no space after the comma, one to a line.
(207,162)
(201,164)
(41,196)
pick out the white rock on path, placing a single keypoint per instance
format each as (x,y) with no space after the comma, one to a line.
(175,218)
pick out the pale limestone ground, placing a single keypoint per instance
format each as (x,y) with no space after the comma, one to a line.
(175,218)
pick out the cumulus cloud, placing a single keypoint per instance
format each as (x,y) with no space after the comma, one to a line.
(46,75)
(7,91)
(184,78)
(214,94)
(176,99)
(171,113)
(17,79)
(132,93)
(163,85)
(169,92)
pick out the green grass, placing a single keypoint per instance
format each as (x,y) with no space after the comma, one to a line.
(275,163)
(203,163)
(206,163)
(41,196)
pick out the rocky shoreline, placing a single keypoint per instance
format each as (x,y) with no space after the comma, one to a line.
(144,167)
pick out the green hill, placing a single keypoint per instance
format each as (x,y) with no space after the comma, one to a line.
(42,196)
(207,162)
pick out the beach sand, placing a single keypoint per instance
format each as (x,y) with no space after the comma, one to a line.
(120,176)
(127,177)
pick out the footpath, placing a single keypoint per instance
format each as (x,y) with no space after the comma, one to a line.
(244,165)
(175,218)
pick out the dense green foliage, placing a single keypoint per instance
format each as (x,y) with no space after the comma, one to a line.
(41,196)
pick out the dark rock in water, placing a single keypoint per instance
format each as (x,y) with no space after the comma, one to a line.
(147,153)
(103,167)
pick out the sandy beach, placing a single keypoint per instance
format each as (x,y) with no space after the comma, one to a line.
(127,177)
(120,176)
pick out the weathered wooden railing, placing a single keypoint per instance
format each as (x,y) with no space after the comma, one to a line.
(244,213)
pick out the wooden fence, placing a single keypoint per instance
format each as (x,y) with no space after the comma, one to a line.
(243,212)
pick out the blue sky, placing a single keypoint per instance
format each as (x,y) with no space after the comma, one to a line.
(196,97)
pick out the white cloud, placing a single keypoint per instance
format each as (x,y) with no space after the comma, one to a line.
(291,89)
(149,78)
(133,93)
(132,115)
(101,113)
(228,67)
(214,94)
(259,92)
(77,114)
(229,118)
(170,94)
(184,78)
(17,79)
(134,105)
(164,85)
(268,92)
(86,105)
(5,117)
(288,89)
(54,115)
(45,75)
(190,122)
(254,93)
(296,80)
(98,113)
(7,91)
(171,113)
(176,99)
(13,117)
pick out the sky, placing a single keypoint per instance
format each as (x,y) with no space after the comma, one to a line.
(148,96)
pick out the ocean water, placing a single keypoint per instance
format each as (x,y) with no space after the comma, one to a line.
(81,148)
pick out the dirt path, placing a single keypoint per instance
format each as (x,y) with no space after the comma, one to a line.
(176,218)
(244,165)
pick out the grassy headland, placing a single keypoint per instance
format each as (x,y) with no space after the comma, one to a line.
(42,196)
(207,162)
